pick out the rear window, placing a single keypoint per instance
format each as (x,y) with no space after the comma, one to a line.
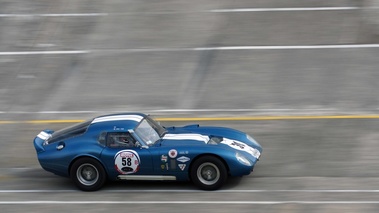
(70,132)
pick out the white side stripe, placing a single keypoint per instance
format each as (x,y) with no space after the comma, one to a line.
(63,52)
(51,15)
(259,47)
(230,10)
(226,202)
(289,9)
(331,46)
(295,47)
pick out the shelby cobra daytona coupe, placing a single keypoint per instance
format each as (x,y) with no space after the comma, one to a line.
(132,146)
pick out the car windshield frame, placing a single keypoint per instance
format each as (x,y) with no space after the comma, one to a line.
(149,131)
(156,126)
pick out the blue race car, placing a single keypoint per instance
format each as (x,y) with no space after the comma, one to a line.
(132,146)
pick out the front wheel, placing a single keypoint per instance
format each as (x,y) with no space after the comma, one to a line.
(88,174)
(208,173)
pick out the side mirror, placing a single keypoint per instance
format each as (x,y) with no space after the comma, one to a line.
(138,144)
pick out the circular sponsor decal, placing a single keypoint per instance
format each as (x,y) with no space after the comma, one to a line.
(127,161)
(173,153)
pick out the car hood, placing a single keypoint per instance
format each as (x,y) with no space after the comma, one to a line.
(195,135)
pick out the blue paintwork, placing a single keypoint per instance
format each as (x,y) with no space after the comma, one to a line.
(90,144)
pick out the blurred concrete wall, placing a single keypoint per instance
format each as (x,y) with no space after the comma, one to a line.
(371,15)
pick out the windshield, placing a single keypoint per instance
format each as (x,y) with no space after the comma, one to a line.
(156,126)
(149,131)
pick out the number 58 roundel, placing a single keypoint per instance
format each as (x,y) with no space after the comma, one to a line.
(127,162)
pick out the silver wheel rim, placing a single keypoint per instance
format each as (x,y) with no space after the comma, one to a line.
(87,174)
(208,173)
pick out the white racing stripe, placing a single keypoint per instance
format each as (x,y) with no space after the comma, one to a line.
(136,118)
(44,136)
(196,137)
(238,145)
(203,138)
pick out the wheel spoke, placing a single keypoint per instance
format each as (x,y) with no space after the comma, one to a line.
(208,173)
(87,174)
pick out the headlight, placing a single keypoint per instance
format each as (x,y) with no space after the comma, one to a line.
(255,153)
(242,159)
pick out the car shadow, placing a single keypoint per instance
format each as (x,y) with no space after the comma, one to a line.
(231,183)
(39,177)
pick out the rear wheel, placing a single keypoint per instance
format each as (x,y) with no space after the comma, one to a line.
(208,173)
(88,174)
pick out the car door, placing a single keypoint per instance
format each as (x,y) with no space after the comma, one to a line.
(123,156)
(174,160)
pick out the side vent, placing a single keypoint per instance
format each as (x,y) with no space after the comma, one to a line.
(214,140)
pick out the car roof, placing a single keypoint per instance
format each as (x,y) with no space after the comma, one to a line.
(126,120)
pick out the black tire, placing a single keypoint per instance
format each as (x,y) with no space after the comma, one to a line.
(88,174)
(208,173)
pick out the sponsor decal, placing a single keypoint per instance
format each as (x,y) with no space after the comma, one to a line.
(164,158)
(183,152)
(183,159)
(127,161)
(240,145)
(118,128)
(163,166)
(173,153)
(182,166)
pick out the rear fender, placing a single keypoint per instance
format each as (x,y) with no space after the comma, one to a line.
(87,156)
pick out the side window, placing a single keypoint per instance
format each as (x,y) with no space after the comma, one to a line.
(102,138)
(120,139)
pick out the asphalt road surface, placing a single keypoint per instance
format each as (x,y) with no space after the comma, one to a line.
(284,71)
